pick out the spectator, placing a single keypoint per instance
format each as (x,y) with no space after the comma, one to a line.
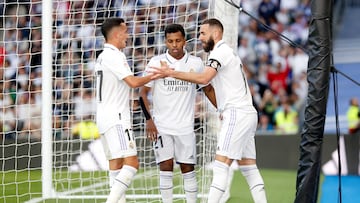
(7,117)
(2,55)
(264,125)
(298,62)
(246,51)
(85,36)
(299,26)
(267,11)
(289,5)
(9,70)
(353,116)
(85,105)
(286,119)
(63,108)
(268,105)
(28,113)
(278,75)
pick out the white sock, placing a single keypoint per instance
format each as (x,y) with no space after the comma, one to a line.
(218,185)
(190,186)
(166,186)
(255,182)
(122,199)
(233,167)
(112,176)
(121,183)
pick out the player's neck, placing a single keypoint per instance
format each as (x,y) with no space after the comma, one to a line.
(178,56)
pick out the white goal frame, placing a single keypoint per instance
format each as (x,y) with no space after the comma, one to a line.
(222,10)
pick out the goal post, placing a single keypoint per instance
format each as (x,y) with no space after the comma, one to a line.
(46,123)
(229,17)
(49,147)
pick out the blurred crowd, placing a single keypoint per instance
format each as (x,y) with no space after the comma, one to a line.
(276,70)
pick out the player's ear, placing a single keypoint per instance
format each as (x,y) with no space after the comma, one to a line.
(217,33)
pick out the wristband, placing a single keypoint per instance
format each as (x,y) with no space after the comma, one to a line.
(144,110)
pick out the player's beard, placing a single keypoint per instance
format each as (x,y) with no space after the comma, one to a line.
(209,45)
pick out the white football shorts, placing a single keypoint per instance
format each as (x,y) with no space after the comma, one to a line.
(118,142)
(236,137)
(181,147)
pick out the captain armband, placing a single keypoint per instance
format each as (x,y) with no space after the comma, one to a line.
(213,63)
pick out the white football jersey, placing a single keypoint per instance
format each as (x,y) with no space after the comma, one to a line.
(173,99)
(230,83)
(112,92)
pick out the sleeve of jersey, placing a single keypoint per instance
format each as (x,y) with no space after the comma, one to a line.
(215,60)
(221,57)
(120,67)
(200,68)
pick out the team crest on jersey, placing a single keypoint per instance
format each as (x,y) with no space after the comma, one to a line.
(132,144)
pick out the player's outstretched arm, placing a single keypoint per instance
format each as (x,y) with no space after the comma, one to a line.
(202,78)
(138,81)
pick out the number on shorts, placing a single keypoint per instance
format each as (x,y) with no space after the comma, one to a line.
(158,142)
(244,77)
(99,80)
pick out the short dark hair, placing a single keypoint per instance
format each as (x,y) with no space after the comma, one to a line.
(214,22)
(109,24)
(173,28)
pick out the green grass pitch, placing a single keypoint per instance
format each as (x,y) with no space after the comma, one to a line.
(25,185)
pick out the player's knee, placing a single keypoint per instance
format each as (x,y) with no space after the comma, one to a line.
(132,161)
(185,168)
(116,164)
(167,165)
(247,161)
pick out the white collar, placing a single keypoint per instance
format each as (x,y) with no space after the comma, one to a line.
(218,44)
(110,46)
(173,60)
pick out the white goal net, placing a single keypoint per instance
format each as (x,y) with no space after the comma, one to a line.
(49,148)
